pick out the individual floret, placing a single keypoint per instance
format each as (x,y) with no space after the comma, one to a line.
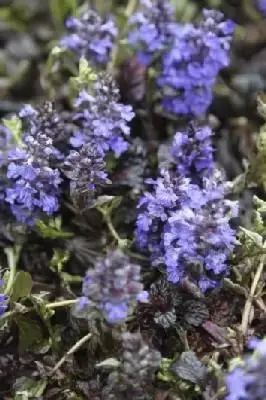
(113,286)
(91,36)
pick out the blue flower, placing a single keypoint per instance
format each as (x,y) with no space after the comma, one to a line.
(246,381)
(192,152)
(192,63)
(34,180)
(152,28)
(261,4)
(85,168)
(113,286)
(91,36)
(186,227)
(103,120)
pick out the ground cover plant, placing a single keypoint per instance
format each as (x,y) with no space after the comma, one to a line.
(132,200)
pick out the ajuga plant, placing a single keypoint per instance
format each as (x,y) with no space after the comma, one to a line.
(91,36)
(34,176)
(37,170)
(124,273)
(185,225)
(188,57)
(138,363)
(103,119)
(113,287)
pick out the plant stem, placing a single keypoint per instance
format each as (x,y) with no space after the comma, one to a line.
(63,303)
(7,315)
(137,256)
(71,351)
(12,255)
(130,8)
(250,10)
(248,304)
(122,243)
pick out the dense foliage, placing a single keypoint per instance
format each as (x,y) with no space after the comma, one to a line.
(132,200)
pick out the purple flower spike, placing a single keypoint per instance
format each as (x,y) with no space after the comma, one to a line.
(186,227)
(104,121)
(34,180)
(113,286)
(192,63)
(91,36)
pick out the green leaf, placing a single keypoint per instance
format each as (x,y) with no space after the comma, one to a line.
(30,332)
(14,124)
(261,107)
(253,236)
(111,203)
(39,305)
(59,259)
(85,77)
(259,204)
(27,388)
(52,230)
(109,363)
(68,278)
(102,201)
(61,9)
(22,286)
(257,170)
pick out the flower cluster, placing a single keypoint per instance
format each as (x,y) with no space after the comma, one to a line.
(138,364)
(261,4)
(34,178)
(104,121)
(192,152)
(192,63)
(112,286)
(198,240)
(186,227)
(90,36)
(85,168)
(246,381)
(152,30)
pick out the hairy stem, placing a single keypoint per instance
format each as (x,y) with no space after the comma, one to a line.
(122,243)
(130,8)
(63,303)
(71,351)
(248,304)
